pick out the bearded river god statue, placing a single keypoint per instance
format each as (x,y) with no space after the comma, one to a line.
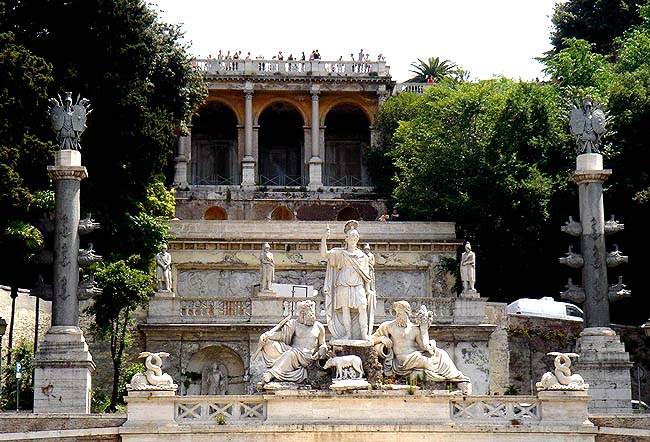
(406,349)
(293,346)
(349,297)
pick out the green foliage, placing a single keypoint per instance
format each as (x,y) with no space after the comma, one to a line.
(378,159)
(42,200)
(512,390)
(19,232)
(578,66)
(433,67)
(143,89)
(158,201)
(124,289)
(599,22)
(23,352)
(100,401)
(125,378)
(492,156)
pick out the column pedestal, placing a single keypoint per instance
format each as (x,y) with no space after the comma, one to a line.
(605,366)
(315,174)
(63,370)
(248,173)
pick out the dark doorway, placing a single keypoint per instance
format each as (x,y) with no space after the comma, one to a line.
(281,138)
(347,137)
(214,146)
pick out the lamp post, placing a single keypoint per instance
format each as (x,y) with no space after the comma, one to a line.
(3,327)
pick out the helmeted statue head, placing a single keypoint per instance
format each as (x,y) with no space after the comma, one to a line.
(267,246)
(351,232)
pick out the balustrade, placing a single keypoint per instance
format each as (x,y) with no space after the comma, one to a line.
(215,307)
(290,67)
(347,180)
(475,409)
(212,409)
(282,180)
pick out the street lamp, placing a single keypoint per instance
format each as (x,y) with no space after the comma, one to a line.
(3,327)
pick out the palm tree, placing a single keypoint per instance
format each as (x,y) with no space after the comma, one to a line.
(432,67)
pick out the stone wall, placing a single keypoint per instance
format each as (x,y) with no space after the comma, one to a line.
(25,317)
(530,339)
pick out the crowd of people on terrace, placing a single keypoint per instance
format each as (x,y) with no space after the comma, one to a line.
(233,62)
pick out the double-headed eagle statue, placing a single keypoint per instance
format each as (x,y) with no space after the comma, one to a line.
(68,120)
(588,125)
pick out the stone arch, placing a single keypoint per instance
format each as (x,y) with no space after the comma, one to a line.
(281,145)
(282,101)
(346,102)
(347,137)
(282,213)
(226,103)
(226,359)
(214,145)
(215,213)
(348,213)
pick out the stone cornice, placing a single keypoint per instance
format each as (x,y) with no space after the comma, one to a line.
(67,172)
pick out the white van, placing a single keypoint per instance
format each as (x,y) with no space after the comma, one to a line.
(546,307)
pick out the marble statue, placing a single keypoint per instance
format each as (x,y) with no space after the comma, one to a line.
(349,298)
(371,264)
(68,120)
(588,125)
(347,367)
(561,378)
(214,379)
(164,269)
(267,269)
(154,378)
(406,349)
(293,345)
(468,269)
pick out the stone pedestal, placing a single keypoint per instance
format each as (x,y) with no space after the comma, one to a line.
(150,407)
(63,370)
(248,173)
(605,366)
(470,294)
(315,174)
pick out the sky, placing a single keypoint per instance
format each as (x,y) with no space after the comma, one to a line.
(488,38)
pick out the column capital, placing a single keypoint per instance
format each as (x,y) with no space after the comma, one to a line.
(314,91)
(590,176)
(248,93)
(77,173)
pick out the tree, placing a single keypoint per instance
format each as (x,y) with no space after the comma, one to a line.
(124,290)
(492,156)
(141,84)
(599,22)
(433,67)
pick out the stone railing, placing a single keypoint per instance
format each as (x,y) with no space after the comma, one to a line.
(215,307)
(271,309)
(214,67)
(219,409)
(413,88)
(501,409)
(564,411)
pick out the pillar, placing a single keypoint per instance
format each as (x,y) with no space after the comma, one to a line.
(248,162)
(315,162)
(183,159)
(63,365)
(590,176)
(604,363)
